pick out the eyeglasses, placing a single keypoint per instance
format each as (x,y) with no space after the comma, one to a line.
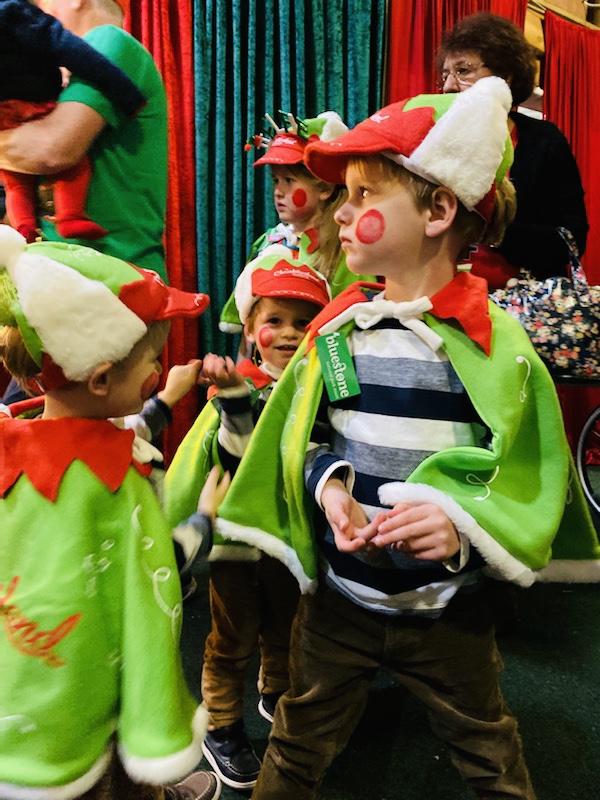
(464,74)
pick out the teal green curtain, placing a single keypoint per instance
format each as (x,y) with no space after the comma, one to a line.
(304,56)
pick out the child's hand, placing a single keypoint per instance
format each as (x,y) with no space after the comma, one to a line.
(221,371)
(421,531)
(180,380)
(213,492)
(351,528)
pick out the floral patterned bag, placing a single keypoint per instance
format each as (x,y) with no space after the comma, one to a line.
(561,316)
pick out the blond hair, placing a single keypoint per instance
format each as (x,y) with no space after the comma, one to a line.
(470,226)
(330,248)
(16,357)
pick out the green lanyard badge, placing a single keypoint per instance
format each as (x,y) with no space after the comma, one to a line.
(337,367)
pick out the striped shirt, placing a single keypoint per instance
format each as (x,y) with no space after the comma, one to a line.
(411,405)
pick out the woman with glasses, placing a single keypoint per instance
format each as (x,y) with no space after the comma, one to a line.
(544,173)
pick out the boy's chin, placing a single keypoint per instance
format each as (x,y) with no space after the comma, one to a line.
(356,267)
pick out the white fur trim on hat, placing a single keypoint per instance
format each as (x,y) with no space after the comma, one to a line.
(244,299)
(334,126)
(465,147)
(79,321)
(12,245)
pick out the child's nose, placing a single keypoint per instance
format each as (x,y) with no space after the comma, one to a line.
(343,215)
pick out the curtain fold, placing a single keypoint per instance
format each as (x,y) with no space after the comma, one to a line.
(304,56)
(165,29)
(415,34)
(573,61)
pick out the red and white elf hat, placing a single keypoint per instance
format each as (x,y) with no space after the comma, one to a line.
(275,273)
(456,140)
(81,307)
(289,142)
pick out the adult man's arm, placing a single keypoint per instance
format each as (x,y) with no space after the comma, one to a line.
(55,142)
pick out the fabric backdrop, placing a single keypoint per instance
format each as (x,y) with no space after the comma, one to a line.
(573,60)
(165,29)
(416,28)
(303,56)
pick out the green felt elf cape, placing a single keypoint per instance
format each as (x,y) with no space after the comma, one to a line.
(90,613)
(195,457)
(519,503)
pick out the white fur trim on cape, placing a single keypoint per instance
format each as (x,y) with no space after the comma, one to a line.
(572,571)
(270,545)
(465,147)
(244,299)
(499,559)
(234,552)
(80,322)
(68,791)
(168,769)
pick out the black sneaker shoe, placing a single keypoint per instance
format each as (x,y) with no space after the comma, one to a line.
(197,786)
(229,752)
(267,703)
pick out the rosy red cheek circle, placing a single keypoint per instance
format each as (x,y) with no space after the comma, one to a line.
(149,386)
(370,227)
(265,336)
(299,198)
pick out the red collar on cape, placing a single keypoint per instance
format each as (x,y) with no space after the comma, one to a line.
(464,299)
(248,369)
(312,235)
(43,450)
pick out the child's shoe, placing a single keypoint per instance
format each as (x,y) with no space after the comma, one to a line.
(197,786)
(267,704)
(230,753)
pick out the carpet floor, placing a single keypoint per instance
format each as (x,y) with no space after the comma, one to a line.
(551,681)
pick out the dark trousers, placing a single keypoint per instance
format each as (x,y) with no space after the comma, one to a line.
(451,664)
(252,607)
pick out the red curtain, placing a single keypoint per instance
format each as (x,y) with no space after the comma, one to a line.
(415,33)
(573,61)
(166,30)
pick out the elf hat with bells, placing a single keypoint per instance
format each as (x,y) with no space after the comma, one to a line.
(291,137)
(460,141)
(77,308)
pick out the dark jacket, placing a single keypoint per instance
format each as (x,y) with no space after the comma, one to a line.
(549,195)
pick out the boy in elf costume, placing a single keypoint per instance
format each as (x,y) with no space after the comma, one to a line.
(305,204)
(415,441)
(90,598)
(253,598)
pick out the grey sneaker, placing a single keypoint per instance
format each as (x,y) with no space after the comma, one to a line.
(197,786)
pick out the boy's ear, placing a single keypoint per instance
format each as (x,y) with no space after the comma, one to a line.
(326,192)
(442,211)
(250,337)
(98,383)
